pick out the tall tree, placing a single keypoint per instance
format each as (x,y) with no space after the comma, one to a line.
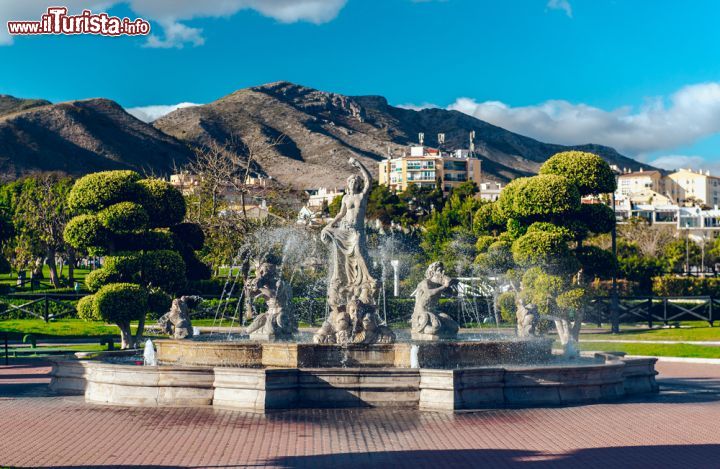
(41,213)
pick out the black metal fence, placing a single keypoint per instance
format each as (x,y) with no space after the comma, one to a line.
(650,309)
(656,309)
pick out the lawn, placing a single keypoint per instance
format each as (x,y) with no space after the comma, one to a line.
(657,350)
(695,331)
(11,279)
(65,328)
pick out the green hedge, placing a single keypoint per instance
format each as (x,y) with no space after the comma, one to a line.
(669,285)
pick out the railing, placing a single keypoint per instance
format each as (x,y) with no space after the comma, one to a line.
(45,300)
(650,309)
(655,309)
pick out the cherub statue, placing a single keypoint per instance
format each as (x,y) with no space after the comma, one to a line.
(277,322)
(427,322)
(526,315)
(176,322)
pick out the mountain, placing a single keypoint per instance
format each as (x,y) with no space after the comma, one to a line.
(323,129)
(78,137)
(10,104)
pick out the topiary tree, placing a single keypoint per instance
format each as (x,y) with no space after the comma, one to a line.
(137,224)
(541,252)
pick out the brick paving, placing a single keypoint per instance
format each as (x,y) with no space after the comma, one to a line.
(678,428)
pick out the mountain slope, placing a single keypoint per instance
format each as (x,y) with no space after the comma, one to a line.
(78,137)
(323,129)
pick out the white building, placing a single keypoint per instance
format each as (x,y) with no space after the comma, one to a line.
(316,197)
(490,190)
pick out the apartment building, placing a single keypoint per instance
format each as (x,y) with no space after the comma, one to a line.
(425,167)
(635,182)
(688,187)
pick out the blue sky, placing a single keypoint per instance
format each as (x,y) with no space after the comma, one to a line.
(642,76)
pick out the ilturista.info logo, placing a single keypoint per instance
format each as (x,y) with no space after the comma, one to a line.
(57,21)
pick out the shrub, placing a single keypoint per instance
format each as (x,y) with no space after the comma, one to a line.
(158,303)
(86,308)
(124,216)
(144,241)
(540,248)
(99,190)
(121,302)
(598,218)
(96,279)
(507,306)
(164,269)
(164,204)
(190,234)
(85,232)
(484,242)
(669,285)
(544,195)
(587,171)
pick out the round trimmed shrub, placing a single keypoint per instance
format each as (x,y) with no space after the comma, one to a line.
(144,241)
(124,216)
(164,204)
(548,227)
(540,248)
(96,279)
(158,303)
(598,218)
(99,190)
(483,243)
(121,302)
(85,232)
(164,269)
(190,234)
(506,201)
(124,265)
(86,308)
(587,171)
(545,195)
(506,305)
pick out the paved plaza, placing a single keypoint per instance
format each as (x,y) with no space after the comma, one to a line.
(678,428)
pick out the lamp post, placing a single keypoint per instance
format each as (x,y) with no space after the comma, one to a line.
(614,302)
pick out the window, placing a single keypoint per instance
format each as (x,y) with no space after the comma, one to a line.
(455,165)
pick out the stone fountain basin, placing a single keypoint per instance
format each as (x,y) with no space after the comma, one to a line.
(444,355)
(258,389)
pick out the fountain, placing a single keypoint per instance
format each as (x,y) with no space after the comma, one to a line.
(354,359)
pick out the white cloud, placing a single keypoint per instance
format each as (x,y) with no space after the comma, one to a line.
(417,107)
(169,14)
(151,113)
(660,124)
(563,5)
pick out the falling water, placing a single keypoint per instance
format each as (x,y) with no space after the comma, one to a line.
(149,358)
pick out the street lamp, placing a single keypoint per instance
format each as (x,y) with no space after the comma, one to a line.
(614,306)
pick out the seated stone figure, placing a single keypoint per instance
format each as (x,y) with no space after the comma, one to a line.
(277,322)
(176,322)
(354,323)
(366,325)
(427,322)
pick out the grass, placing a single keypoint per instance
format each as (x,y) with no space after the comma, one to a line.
(11,278)
(697,331)
(42,351)
(657,350)
(65,328)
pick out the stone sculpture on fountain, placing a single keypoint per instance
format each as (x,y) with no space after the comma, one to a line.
(278,322)
(427,322)
(176,322)
(351,289)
